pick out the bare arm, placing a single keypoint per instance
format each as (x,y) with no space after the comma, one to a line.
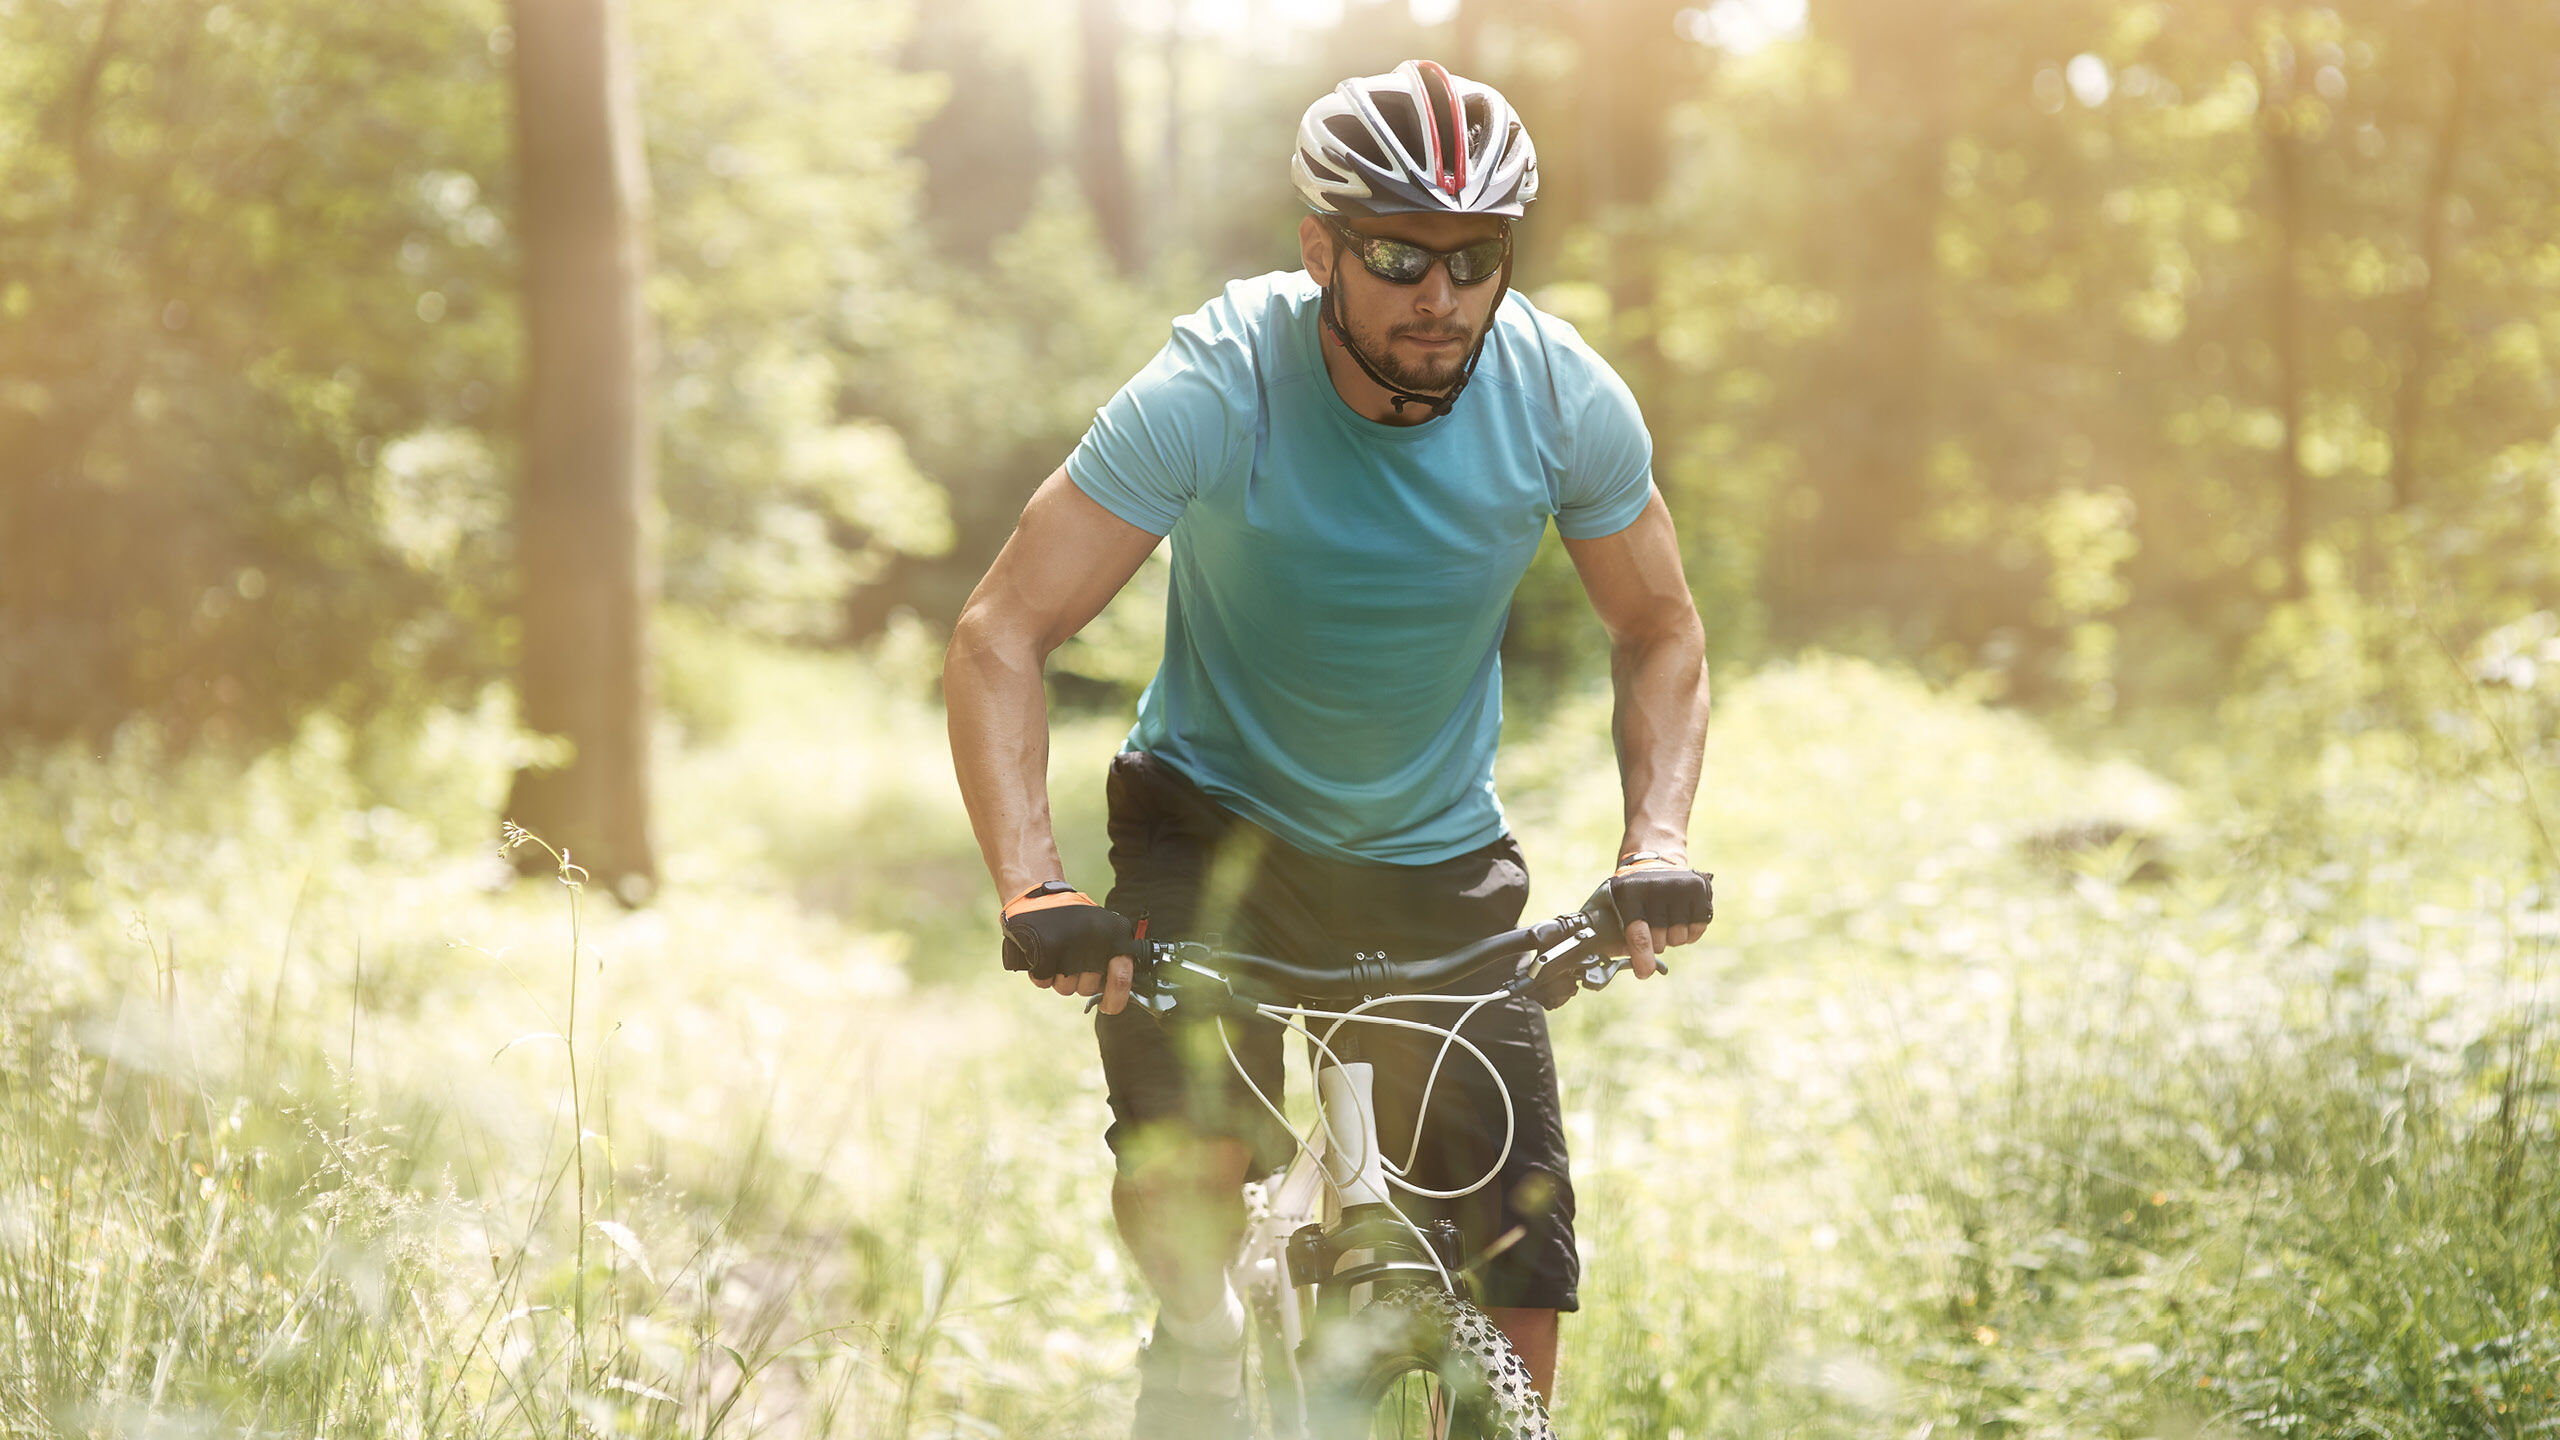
(1658,667)
(1067,558)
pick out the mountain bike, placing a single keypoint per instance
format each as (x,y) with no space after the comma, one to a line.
(1358,1320)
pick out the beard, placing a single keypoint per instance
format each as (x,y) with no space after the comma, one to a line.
(1429,376)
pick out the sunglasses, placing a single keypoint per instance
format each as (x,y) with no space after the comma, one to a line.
(1402,263)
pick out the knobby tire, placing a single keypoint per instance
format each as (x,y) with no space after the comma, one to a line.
(1418,1364)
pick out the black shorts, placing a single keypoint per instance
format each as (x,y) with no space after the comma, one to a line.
(1201,873)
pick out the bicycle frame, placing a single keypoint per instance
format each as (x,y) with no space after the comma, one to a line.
(1298,1253)
(1324,1238)
(1339,1170)
(1324,1233)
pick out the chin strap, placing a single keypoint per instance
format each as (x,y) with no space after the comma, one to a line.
(1328,310)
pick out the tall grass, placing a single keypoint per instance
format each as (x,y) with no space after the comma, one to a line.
(2016,1093)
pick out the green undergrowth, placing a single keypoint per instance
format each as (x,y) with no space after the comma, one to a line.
(2015,1093)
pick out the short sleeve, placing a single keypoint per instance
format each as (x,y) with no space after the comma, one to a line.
(1172,425)
(1610,479)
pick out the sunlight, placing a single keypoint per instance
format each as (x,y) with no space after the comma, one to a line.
(2108,451)
(2089,81)
(1742,27)
(1261,19)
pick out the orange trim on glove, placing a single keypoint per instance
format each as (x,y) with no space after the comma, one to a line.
(1034,899)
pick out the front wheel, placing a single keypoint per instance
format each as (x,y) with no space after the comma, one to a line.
(1419,1364)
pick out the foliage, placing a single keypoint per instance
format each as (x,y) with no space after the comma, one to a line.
(257,384)
(2061,342)
(774,135)
(2015,1093)
(309,1120)
(247,248)
(2181,371)
(2059,345)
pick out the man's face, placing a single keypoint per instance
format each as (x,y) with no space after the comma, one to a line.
(1419,336)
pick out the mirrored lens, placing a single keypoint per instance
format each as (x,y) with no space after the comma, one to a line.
(1395,260)
(1476,262)
(1406,264)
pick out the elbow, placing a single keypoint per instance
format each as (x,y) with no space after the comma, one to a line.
(985,640)
(1672,632)
(969,640)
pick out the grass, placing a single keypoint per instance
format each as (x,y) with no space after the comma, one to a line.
(2015,1093)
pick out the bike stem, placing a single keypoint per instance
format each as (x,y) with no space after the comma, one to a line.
(1353,1158)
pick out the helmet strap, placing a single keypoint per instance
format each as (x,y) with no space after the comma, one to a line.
(1329,311)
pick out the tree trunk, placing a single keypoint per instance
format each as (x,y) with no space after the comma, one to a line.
(2418,354)
(1632,60)
(1466,40)
(1102,159)
(582,540)
(1169,209)
(2284,181)
(1875,245)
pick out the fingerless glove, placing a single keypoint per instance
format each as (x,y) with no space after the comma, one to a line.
(1053,929)
(1652,889)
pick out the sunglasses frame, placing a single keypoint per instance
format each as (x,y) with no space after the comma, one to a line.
(1359,244)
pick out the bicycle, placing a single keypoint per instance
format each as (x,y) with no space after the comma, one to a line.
(1357,1323)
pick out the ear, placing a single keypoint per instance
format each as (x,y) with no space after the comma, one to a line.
(1315,250)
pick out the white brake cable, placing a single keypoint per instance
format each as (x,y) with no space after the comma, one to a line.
(1510,1114)
(1432,1080)
(1429,1251)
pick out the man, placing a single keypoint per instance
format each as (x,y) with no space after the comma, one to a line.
(1311,773)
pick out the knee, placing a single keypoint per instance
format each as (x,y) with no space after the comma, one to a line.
(1163,1170)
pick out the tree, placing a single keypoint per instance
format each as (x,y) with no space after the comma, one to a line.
(587,448)
(2418,354)
(252,312)
(1102,160)
(1875,247)
(982,149)
(2286,237)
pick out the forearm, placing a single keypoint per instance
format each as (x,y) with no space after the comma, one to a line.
(999,718)
(1660,729)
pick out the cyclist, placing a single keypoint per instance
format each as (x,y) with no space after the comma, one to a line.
(1311,771)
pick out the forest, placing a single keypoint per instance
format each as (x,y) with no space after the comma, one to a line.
(2112,444)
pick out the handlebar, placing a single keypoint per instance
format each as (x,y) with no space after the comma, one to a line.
(1173,972)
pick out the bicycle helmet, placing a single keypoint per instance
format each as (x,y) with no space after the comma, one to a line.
(1416,140)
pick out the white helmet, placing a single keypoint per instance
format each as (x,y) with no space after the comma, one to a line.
(1416,141)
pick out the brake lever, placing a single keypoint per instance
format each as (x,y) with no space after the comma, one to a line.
(1176,967)
(1599,973)
(1146,991)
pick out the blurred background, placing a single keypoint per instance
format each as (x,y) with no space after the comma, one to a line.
(2055,345)
(2112,443)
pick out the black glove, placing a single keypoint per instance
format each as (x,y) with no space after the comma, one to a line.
(1053,929)
(1653,890)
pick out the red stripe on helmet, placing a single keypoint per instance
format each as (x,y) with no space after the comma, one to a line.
(1449,162)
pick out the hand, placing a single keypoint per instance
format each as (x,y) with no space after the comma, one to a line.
(1067,943)
(1659,903)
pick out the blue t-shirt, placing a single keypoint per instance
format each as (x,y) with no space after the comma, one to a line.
(1332,643)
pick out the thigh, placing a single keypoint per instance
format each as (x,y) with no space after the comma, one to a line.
(1521,1214)
(1497,1133)
(1172,1081)
(1193,871)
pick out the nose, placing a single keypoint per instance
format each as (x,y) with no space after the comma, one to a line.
(1435,294)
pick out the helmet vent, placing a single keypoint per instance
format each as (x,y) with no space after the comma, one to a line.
(1403,121)
(1479,124)
(1355,137)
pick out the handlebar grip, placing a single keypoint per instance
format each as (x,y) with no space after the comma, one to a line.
(1601,913)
